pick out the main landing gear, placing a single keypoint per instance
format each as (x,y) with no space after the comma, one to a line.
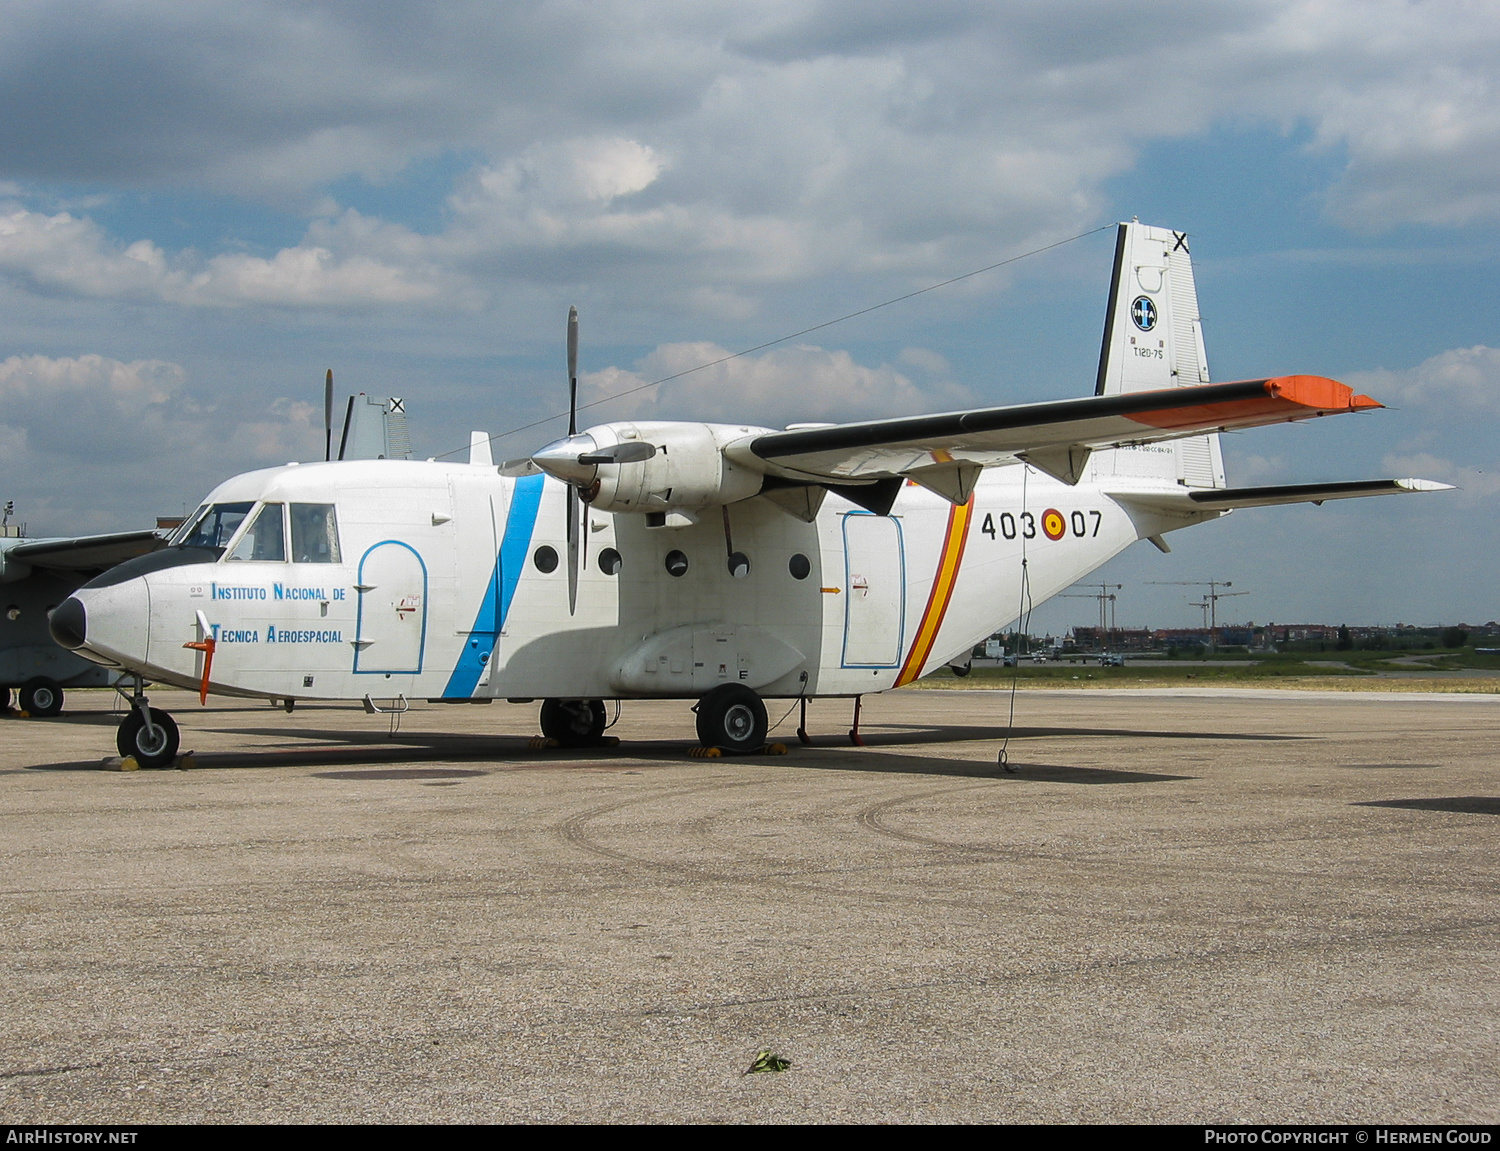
(147,733)
(732,718)
(573,722)
(38,697)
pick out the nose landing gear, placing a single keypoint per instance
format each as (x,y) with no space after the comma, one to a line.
(147,733)
(41,697)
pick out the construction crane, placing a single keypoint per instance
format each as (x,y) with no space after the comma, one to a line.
(1106,598)
(1209,603)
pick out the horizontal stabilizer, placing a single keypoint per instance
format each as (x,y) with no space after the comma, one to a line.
(1058,435)
(1226,499)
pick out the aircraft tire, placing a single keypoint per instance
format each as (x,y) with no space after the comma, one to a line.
(732,718)
(132,738)
(41,697)
(962,669)
(573,722)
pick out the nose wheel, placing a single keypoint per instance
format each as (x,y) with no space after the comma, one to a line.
(153,746)
(147,733)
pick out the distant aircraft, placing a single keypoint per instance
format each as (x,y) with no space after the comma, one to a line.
(35,576)
(720,563)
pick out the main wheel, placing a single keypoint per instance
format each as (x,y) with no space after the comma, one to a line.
(573,722)
(156,749)
(961,669)
(41,697)
(732,718)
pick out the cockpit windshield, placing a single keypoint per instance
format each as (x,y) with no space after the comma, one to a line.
(212,526)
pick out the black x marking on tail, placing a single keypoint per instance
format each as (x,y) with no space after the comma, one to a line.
(1181,242)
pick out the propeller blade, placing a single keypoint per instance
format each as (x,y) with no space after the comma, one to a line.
(572,371)
(573,534)
(631,452)
(328,416)
(517,468)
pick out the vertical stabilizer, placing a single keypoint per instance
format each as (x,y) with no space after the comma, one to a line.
(1153,334)
(375,430)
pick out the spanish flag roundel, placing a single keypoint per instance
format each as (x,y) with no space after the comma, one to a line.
(1054,524)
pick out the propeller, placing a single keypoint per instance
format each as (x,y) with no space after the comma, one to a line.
(575,529)
(575,460)
(328,416)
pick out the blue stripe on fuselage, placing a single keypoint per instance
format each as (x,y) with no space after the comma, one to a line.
(520,522)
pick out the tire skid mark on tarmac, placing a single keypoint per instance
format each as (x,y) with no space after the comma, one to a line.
(573,830)
(1162,863)
(1064,970)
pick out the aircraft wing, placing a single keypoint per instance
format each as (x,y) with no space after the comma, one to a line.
(85,553)
(1055,437)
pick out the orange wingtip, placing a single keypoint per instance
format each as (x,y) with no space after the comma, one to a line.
(1284,398)
(1319,392)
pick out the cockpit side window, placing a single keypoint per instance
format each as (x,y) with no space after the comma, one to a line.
(214,527)
(315,534)
(186,528)
(265,539)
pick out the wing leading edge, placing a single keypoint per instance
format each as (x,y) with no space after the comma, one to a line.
(946,451)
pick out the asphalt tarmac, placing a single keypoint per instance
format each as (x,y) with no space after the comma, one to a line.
(1231,906)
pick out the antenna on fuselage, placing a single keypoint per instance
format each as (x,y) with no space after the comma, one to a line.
(328,416)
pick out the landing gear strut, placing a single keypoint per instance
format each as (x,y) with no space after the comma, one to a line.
(147,733)
(573,722)
(732,718)
(41,697)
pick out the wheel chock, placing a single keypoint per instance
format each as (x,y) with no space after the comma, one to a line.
(24,714)
(116,763)
(187,761)
(705,753)
(538,742)
(775,749)
(607,741)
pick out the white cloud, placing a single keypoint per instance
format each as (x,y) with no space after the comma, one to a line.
(66,255)
(1463,379)
(787,385)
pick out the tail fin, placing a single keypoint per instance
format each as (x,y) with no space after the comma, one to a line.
(1153,335)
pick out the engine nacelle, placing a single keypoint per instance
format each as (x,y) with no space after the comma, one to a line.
(688,471)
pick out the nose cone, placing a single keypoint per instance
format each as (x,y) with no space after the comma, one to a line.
(69,623)
(560,460)
(109,625)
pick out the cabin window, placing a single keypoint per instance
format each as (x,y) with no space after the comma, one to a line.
(545,559)
(609,561)
(677,564)
(265,539)
(315,534)
(213,526)
(799,566)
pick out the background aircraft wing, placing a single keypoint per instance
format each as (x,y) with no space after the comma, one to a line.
(85,553)
(1055,437)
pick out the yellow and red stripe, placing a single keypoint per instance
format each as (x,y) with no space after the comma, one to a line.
(952,555)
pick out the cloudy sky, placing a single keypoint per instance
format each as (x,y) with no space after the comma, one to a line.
(204,206)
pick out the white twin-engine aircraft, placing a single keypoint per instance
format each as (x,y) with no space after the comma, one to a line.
(720,563)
